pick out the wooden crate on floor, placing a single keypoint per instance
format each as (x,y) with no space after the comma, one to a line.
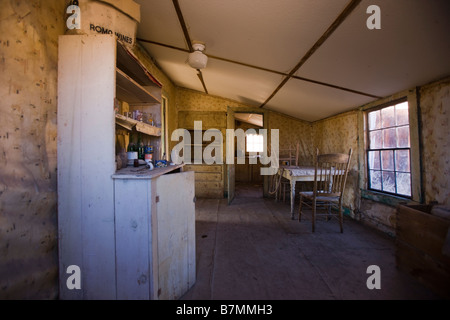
(422,246)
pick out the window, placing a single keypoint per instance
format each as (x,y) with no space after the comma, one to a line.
(255,143)
(389,149)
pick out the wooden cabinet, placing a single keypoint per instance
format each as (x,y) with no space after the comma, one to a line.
(208,180)
(155,234)
(94,71)
(423,246)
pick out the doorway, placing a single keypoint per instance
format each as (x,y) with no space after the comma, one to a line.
(248,180)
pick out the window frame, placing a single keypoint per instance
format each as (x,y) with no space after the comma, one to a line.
(415,160)
(369,148)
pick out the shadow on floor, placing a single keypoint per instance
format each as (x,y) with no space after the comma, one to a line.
(248,190)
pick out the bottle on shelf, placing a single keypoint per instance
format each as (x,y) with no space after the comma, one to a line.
(150,119)
(131,147)
(131,152)
(148,153)
(140,147)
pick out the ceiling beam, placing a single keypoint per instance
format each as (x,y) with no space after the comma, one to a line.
(200,76)
(188,39)
(183,25)
(344,14)
(263,69)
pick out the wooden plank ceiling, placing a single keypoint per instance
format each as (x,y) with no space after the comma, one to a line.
(304,58)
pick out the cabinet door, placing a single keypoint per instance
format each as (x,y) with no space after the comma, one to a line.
(86,88)
(134,245)
(176,234)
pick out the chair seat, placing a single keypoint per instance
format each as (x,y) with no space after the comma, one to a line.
(310,195)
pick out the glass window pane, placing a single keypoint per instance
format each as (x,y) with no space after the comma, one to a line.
(255,143)
(388,181)
(404,183)
(376,139)
(374,160)
(390,138)
(387,160)
(402,160)
(388,117)
(403,137)
(374,119)
(389,169)
(375,179)
(401,113)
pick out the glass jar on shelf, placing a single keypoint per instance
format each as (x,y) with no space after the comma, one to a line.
(150,119)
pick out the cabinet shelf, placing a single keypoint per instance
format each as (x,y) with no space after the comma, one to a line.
(142,127)
(132,92)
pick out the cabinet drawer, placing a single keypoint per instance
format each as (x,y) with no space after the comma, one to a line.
(203,168)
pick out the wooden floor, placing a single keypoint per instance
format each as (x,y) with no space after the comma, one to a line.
(253,250)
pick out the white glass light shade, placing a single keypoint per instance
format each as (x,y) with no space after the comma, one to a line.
(197,60)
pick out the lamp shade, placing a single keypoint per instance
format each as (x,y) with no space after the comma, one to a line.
(197,59)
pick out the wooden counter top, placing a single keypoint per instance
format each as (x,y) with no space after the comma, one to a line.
(143,173)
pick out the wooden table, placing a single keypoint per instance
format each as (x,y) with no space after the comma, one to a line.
(295,174)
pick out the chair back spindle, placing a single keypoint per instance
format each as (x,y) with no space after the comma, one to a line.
(330,176)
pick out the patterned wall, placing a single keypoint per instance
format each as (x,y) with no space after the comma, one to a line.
(291,130)
(435,113)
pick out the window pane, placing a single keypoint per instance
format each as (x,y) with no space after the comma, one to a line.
(374,160)
(402,160)
(388,181)
(403,137)
(387,160)
(388,156)
(374,120)
(388,117)
(375,179)
(402,114)
(390,138)
(376,139)
(255,143)
(404,183)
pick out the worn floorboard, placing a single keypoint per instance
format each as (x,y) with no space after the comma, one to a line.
(252,250)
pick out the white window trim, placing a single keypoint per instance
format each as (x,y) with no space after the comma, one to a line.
(416,172)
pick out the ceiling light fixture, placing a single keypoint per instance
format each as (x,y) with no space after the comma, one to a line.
(197,59)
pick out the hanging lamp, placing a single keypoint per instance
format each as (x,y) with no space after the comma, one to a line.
(197,59)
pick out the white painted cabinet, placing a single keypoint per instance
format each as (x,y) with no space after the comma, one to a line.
(155,222)
(127,247)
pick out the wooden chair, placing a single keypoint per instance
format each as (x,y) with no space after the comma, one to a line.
(329,182)
(291,156)
(285,188)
